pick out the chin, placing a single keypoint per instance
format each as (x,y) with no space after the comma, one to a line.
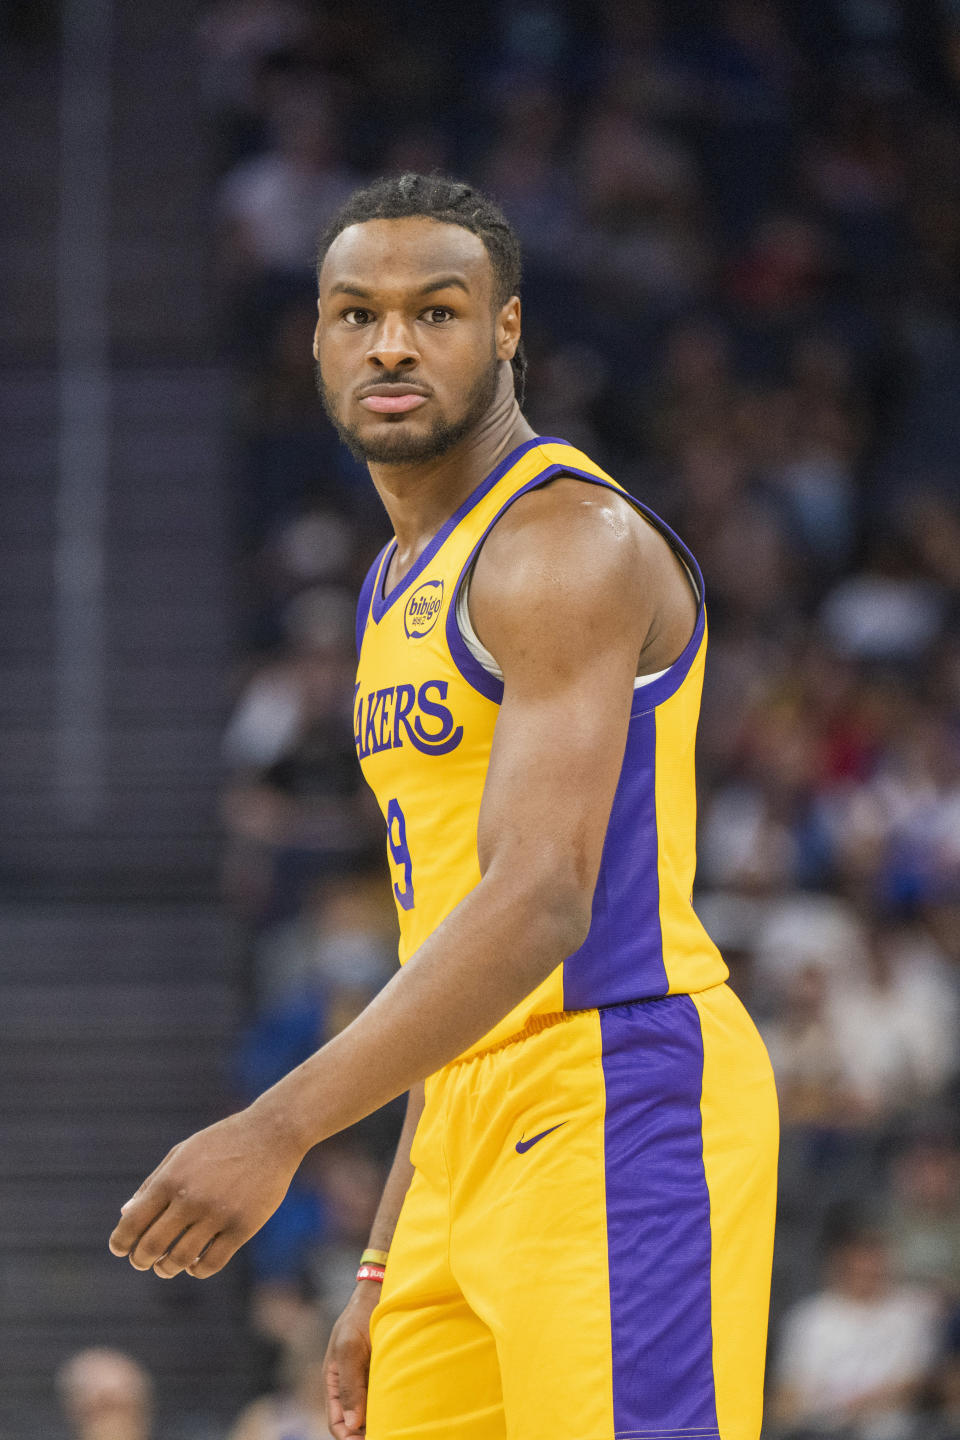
(401,443)
(407,450)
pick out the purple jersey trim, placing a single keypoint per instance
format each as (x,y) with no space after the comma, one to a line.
(622,956)
(658,1220)
(381,602)
(366,594)
(468,664)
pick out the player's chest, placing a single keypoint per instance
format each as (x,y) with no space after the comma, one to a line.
(415,715)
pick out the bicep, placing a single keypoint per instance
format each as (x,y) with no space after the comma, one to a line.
(553,772)
(567,643)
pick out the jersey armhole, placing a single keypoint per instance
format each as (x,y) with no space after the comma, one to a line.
(646,696)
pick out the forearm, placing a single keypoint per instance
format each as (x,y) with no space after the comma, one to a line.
(490,952)
(398,1181)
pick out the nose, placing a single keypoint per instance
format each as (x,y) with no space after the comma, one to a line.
(391,346)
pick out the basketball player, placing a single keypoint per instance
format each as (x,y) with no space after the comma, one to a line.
(577,1230)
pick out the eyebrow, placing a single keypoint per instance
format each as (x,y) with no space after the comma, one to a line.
(445,282)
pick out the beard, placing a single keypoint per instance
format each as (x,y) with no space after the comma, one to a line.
(389,445)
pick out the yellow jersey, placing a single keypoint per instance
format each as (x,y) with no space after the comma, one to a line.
(424,718)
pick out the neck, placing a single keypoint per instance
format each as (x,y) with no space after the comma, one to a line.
(114,1427)
(420,498)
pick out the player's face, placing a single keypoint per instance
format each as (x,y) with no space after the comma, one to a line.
(409,344)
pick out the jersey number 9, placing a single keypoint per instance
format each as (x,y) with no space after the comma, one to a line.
(397,840)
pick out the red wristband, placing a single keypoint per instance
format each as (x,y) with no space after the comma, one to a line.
(371,1272)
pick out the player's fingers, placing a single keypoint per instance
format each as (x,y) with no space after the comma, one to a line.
(139,1212)
(218,1251)
(156,1239)
(335,1421)
(353,1366)
(137,1215)
(184,1251)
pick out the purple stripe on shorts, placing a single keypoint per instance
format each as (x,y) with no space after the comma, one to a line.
(658,1219)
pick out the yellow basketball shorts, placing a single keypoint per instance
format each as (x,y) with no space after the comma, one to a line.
(584,1252)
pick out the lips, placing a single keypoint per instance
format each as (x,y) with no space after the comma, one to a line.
(390,397)
(393,404)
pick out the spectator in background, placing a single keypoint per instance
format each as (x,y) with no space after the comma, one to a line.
(310,547)
(897,834)
(924,1215)
(293,805)
(780,280)
(807,1058)
(944,1423)
(271,207)
(858,1037)
(525,172)
(294,465)
(106,1395)
(297,1410)
(350,1179)
(306,683)
(313,975)
(853,1357)
(639,193)
(244,44)
(886,612)
(811,447)
(274,205)
(342,940)
(898,1026)
(695,393)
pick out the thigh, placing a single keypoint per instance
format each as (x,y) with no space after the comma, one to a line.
(434,1372)
(622,1261)
(525,1139)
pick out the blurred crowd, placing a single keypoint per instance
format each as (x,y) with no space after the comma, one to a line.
(741,224)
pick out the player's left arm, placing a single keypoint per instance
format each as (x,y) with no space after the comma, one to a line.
(562,597)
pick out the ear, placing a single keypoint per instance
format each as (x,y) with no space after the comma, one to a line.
(508,329)
(316,336)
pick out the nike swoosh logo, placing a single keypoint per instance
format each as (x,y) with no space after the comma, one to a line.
(524,1145)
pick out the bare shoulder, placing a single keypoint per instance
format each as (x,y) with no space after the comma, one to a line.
(573,548)
(568,529)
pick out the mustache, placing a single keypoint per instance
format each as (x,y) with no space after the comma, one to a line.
(393,377)
(389,377)
(385,377)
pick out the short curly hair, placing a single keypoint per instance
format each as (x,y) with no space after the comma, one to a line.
(450,202)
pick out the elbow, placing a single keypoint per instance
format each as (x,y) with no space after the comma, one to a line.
(560,912)
(547,909)
(575,923)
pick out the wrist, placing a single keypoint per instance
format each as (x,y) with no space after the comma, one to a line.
(278,1112)
(366,1294)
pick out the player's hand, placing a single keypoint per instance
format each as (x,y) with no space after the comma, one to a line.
(346,1367)
(210,1194)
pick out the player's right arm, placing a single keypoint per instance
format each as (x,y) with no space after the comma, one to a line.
(347,1365)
